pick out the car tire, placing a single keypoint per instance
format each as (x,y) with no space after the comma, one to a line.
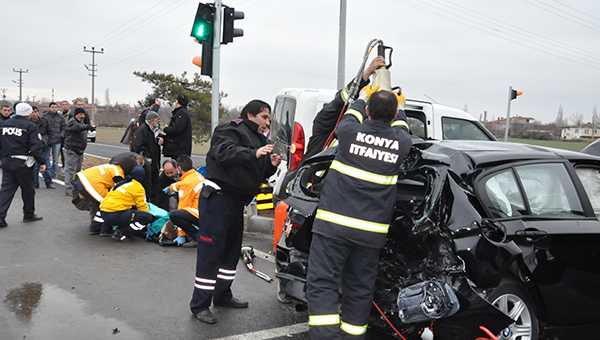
(512,299)
(93,139)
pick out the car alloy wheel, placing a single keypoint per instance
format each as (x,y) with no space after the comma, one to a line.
(512,300)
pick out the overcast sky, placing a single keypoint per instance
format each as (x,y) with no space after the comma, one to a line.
(465,54)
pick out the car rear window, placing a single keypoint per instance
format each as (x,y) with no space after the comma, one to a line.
(541,189)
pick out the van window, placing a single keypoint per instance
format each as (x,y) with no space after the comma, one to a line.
(282,124)
(416,123)
(460,129)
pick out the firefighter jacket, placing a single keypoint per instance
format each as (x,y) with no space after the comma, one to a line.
(128,196)
(326,119)
(98,180)
(20,137)
(231,160)
(188,187)
(357,201)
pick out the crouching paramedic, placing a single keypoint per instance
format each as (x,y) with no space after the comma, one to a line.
(93,184)
(125,206)
(186,215)
(354,213)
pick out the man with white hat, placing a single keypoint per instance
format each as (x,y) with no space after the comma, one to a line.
(20,144)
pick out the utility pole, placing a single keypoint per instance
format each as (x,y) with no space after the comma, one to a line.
(342,47)
(92,69)
(20,82)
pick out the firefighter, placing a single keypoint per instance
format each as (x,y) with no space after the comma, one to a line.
(93,184)
(186,216)
(354,213)
(238,161)
(19,142)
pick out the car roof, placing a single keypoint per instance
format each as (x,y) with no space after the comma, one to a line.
(467,156)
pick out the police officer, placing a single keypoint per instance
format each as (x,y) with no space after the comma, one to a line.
(238,161)
(354,213)
(19,139)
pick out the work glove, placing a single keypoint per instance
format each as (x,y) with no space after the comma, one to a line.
(167,191)
(401,99)
(180,240)
(367,91)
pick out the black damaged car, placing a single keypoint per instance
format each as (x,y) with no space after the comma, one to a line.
(499,235)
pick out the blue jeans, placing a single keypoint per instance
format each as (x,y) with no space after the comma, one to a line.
(46,174)
(55,149)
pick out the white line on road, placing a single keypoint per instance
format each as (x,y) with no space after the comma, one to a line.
(271,333)
(90,154)
(113,146)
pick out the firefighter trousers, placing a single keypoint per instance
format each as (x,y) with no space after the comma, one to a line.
(333,265)
(221,227)
(128,221)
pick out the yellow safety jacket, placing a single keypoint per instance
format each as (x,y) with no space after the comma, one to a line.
(98,180)
(188,187)
(125,197)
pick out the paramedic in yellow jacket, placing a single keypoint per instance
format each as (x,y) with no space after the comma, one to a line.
(93,184)
(125,206)
(188,187)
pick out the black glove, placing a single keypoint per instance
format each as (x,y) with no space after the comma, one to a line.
(91,127)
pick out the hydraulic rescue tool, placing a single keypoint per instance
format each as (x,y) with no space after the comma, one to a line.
(381,78)
(247,254)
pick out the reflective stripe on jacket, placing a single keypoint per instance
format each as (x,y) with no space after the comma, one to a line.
(360,190)
(125,197)
(98,180)
(188,187)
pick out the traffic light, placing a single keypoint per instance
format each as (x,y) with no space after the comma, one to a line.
(203,31)
(203,28)
(229,32)
(514,94)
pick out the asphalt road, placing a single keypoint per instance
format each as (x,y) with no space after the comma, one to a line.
(58,282)
(108,150)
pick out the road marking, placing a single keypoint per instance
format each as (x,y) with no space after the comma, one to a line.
(90,154)
(112,146)
(271,333)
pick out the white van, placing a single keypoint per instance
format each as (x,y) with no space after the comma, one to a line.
(295,110)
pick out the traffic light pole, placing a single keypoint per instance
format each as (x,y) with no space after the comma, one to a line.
(214,114)
(510,91)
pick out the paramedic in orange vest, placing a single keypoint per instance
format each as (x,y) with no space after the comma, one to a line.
(186,215)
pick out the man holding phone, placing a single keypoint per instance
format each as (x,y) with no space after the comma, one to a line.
(238,161)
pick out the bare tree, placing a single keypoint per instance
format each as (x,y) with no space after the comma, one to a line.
(560,121)
(107,98)
(577,119)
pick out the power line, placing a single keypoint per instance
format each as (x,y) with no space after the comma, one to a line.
(486,28)
(559,14)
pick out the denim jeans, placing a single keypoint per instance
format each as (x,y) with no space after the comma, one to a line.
(55,149)
(46,174)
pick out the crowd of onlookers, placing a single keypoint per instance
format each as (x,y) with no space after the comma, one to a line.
(130,191)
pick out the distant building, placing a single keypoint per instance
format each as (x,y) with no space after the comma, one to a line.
(579,132)
(517,123)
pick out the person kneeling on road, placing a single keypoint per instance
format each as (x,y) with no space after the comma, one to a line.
(186,217)
(125,206)
(92,185)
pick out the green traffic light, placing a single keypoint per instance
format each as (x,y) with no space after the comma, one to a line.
(200,31)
